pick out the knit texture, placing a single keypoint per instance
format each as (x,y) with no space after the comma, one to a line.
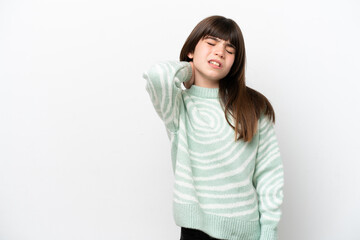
(229,190)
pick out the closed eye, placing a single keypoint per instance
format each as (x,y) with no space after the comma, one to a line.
(213,44)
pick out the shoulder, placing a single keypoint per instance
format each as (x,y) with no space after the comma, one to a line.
(262,106)
(255,96)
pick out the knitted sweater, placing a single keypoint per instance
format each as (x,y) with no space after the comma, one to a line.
(229,190)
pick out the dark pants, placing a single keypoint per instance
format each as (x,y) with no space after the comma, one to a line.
(193,234)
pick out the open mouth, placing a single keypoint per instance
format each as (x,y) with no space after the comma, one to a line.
(217,64)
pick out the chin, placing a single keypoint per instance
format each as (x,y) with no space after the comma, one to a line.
(215,78)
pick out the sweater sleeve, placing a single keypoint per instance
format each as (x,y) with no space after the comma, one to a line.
(163,83)
(268,179)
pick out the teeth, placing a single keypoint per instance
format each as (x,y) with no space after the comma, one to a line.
(215,63)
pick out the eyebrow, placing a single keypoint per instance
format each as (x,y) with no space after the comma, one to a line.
(218,40)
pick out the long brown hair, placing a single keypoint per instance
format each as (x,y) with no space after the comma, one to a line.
(242,103)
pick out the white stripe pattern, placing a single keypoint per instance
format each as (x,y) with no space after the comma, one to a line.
(213,172)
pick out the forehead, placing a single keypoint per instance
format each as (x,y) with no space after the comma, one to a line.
(219,40)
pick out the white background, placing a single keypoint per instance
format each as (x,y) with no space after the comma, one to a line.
(83,154)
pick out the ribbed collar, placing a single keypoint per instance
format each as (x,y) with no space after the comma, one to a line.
(203,92)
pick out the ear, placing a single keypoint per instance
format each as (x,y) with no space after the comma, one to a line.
(190,55)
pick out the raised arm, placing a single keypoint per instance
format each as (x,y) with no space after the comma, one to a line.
(163,83)
(188,84)
(268,180)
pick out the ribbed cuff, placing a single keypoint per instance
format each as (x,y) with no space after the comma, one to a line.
(187,69)
(268,234)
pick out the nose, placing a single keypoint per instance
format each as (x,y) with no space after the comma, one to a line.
(220,51)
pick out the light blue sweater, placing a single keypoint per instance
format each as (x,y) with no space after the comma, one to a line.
(229,190)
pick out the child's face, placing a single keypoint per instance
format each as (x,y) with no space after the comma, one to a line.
(212,58)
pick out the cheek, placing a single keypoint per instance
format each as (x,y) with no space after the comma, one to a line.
(200,55)
(230,63)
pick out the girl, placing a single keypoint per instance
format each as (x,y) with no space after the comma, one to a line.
(228,173)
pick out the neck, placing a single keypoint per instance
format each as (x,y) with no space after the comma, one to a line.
(206,84)
(202,81)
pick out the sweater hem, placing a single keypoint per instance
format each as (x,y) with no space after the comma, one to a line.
(229,228)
